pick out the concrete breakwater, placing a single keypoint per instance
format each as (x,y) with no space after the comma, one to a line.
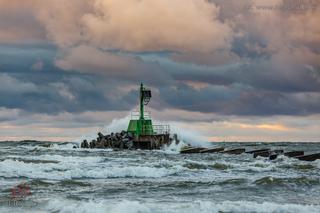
(120,140)
(127,140)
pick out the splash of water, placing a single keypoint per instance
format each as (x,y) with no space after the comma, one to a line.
(174,148)
(117,125)
(189,136)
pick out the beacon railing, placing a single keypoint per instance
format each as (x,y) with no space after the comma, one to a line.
(156,129)
(135,115)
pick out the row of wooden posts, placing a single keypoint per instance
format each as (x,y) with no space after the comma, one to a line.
(268,153)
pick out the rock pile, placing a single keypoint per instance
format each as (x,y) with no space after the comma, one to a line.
(122,140)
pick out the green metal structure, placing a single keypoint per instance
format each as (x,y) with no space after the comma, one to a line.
(143,125)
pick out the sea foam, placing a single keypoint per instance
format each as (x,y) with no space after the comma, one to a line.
(74,170)
(126,206)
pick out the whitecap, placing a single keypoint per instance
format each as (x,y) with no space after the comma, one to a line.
(173,148)
(249,206)
(126,206)
(74,170)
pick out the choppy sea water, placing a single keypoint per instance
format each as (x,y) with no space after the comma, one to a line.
(63,179)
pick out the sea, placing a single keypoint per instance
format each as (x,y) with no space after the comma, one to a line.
(55,177)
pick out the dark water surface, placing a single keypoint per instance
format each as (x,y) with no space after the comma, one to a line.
(62,179)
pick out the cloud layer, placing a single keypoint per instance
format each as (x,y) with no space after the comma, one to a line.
(215,58)
(133,25)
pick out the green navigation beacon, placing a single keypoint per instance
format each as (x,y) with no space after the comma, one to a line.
(141,125)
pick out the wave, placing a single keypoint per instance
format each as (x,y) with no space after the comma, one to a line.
(96,206)
(192,165)
(249,206)
(72,183)
(205,166)
(173,148)
(77,170)
(221,166)
(63,183)
(252,165)
(33,160)
(234,181)
(175,207)
(274,181)
(56,158)
(65,146)
(299,166)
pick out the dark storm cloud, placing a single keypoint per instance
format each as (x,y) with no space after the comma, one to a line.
(208,99)
(21,57)
(52,90)
(113,64)
(261,74)
(239,100)
(257,64)
(265,75)
(256,87)
(250,47)
(69,94)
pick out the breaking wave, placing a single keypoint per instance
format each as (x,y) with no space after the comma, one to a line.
(75,170)
(126,206)
(273,181)
(63,179)
(173,148)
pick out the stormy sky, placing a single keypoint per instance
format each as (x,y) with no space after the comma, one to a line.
(229,70)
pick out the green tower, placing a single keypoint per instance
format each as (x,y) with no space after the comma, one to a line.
(143,124)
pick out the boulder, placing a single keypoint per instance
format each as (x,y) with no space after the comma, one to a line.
(106,144)
(116,143)
(129,144)
(100,135)
(92,144)
(99,145)
(130,135)
(125,140)
(84,144)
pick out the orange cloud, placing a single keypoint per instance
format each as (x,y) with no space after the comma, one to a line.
(273,127)
(184,25)
(18,22)
(181,25)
